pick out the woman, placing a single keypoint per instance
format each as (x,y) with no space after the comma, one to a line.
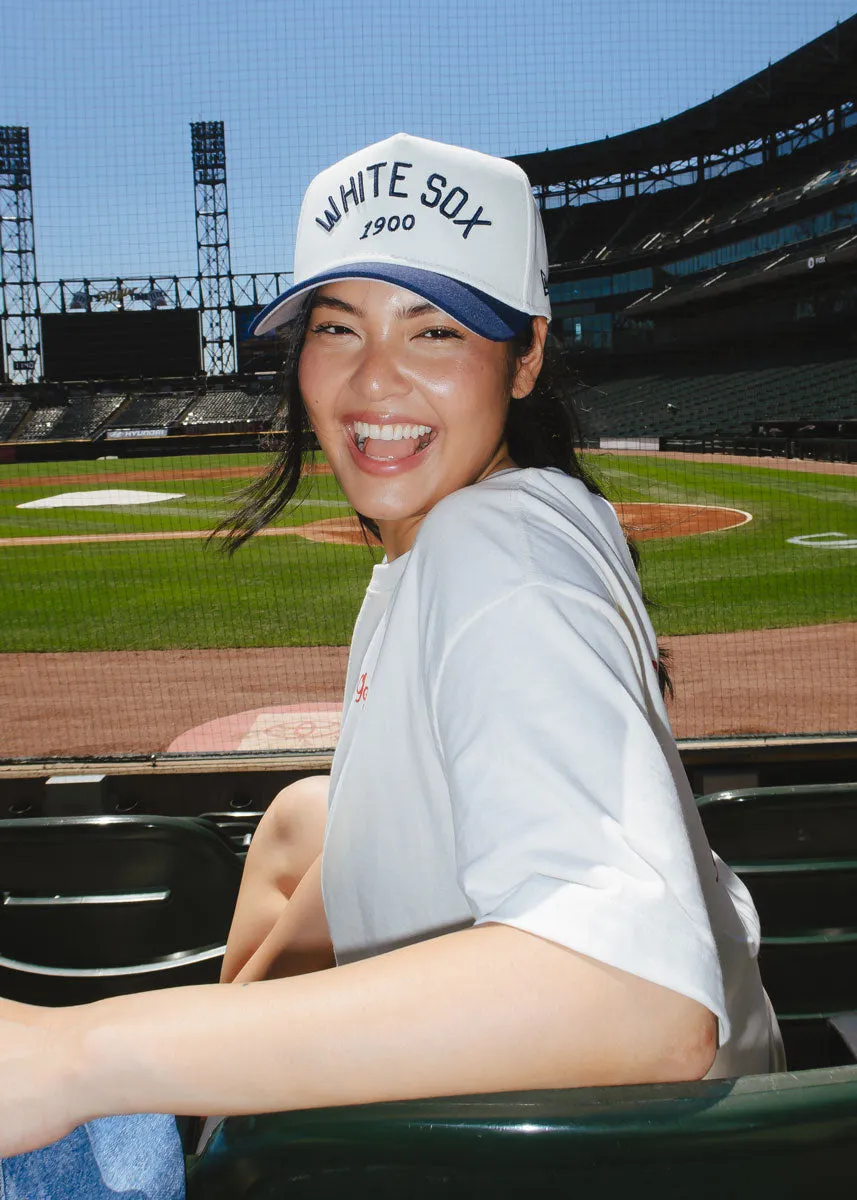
(514,879)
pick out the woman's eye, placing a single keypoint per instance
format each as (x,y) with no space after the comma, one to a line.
(440,332)
(330,327)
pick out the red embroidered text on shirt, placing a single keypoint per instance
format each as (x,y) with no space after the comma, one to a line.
(362,689)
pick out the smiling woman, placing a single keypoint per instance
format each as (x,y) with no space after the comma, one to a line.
(504,884)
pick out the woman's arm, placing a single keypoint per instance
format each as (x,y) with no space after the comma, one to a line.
(490,1008)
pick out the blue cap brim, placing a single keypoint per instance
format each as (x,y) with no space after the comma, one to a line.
(475,310)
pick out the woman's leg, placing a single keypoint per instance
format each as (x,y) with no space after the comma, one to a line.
(288,840)
(135,1158)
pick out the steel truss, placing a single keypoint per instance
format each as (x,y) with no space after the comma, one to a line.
(699,169)
(18,280)
(208,145)
(154,291)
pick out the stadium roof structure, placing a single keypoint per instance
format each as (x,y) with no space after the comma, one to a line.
(818,77)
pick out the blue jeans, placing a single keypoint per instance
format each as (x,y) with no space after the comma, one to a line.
(132,1158)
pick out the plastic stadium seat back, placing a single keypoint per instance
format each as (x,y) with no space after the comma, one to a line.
(788,1136)
(803,897)
(108,892)
(811,975)
(807,821)
(815,1041)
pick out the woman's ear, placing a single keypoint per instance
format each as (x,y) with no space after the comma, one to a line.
(529,365)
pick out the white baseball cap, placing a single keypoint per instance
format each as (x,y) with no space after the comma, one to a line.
(459,228)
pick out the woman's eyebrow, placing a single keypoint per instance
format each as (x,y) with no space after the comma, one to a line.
(419,310)
(335,302)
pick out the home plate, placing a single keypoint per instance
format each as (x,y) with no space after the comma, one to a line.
(307,726)
(101,498)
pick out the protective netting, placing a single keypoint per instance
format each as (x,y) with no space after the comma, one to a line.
(132,407)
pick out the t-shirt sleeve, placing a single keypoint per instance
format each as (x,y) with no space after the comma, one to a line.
(568,823)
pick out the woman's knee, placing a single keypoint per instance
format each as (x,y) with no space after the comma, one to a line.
(291,833)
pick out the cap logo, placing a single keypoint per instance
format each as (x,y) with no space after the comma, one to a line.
(390,179)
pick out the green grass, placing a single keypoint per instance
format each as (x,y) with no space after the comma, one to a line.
(287,591)
(277,591)
(750,577)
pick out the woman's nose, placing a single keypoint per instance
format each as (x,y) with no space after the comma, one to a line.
(378,374)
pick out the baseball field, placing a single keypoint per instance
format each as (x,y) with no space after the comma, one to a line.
(112,555)
(110,573)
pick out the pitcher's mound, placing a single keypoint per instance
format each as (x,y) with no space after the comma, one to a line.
(640,521)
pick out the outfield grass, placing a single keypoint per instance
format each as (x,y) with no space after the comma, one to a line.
(750,577)
(287,591)
(167,594)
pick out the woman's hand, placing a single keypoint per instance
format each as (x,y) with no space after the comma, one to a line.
(40,1095)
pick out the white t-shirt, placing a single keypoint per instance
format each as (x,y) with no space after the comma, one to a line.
(505,756)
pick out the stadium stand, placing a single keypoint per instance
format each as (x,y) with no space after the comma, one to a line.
(83,418)
(231,408)
(40,423)
(658,222)
(684,255)
(154,410)
(80,418)
(693,397)
(12,413)
(703,269)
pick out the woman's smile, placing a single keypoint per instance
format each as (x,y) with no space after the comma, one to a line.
(390,443)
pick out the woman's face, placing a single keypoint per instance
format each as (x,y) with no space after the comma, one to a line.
(407,404)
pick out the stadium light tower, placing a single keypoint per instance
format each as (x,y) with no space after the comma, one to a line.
(208,143)
(18,281)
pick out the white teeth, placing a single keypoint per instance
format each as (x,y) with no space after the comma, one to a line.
(389,433)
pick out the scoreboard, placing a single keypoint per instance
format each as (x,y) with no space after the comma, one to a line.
(121,345)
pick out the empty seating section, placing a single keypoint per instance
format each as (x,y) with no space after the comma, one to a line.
(697,402)
(12,413)
(180,409)
(675,217)
(41,424)
(154,410)
(82,418)
(79,418)
(231,407)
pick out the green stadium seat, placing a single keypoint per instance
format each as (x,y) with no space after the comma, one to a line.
(785,1135)
(98,906)
(808,821)
(796,849)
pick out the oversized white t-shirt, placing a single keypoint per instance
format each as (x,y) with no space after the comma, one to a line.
(505,756)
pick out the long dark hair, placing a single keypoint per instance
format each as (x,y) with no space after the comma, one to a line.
(266,497)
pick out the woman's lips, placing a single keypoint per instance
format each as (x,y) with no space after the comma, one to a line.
(386,454)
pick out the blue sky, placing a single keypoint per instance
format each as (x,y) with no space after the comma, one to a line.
(108,88)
